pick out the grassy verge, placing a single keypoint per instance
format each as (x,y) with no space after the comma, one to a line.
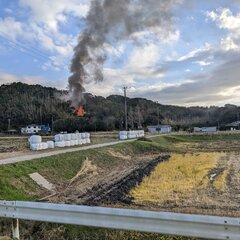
(15,184)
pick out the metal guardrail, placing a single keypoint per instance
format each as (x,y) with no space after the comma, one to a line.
(202,226)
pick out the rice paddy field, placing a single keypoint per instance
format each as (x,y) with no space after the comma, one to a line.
(201,176)
(199,182)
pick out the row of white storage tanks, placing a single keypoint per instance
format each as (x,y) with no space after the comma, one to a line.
(123,135)
(61,140)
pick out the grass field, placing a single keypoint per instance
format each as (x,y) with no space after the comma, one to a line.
(199,178)
(16,184)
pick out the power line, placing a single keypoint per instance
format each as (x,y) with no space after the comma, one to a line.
(23,51)
(28,48)
(32,52)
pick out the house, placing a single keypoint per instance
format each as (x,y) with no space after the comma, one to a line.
(205,129)
(233,126)
(159,129)
(32,129)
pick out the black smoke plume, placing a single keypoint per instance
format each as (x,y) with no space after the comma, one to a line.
(109,21)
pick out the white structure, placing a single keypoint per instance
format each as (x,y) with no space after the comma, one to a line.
(123,135)
(159,129)
(31,129)
(71,139)
(36,143)
(205,129)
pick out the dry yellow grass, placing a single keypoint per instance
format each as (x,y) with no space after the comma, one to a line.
(220,182)
(173,179)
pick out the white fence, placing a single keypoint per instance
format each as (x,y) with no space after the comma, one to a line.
(209,227)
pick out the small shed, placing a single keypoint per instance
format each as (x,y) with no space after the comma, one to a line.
(205,129)
(233,125)
(159,129)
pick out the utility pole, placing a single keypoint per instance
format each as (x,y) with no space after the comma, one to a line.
(158,114)
(9,124)
(52,124)
(139,117)
(238,120)
(125,107)
(40,113)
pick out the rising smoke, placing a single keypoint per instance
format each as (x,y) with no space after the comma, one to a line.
(108,22)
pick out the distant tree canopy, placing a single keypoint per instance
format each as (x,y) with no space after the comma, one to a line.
(27,104)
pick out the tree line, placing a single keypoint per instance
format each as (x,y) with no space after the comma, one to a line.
(27,104)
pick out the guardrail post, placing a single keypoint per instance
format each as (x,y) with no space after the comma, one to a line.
(15,229)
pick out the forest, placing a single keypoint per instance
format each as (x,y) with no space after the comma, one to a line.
(27,104)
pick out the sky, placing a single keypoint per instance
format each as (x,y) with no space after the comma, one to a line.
(196,63)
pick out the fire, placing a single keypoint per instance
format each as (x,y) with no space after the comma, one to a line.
(80,111)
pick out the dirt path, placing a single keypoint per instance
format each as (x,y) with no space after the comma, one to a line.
(64,150)
(56,152)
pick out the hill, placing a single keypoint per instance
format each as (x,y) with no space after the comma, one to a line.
(26,104)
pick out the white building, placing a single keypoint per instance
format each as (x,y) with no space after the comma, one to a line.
(30,129)
(159,129)
(205,129)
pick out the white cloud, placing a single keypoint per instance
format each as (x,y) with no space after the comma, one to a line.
(40,34)
(144,57)
(195,52)
(7,78)
(218,87)
(52,13)
(203,63)
(225,19)
(140,66)
(10,23)
(115,79)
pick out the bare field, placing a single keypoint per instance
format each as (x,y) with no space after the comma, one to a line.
(221,145)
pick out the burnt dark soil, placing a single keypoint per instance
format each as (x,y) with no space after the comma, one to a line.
(116,192)
(109,186)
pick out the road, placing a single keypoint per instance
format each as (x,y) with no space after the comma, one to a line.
(56,152)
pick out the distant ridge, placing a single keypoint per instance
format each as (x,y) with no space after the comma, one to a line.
(25,104)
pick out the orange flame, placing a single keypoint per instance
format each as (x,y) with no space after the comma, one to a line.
(80,111)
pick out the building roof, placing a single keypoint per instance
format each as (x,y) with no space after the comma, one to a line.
(206,127)
(233,124)
(158,126)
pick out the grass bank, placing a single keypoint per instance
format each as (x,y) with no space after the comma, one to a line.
(15,183)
